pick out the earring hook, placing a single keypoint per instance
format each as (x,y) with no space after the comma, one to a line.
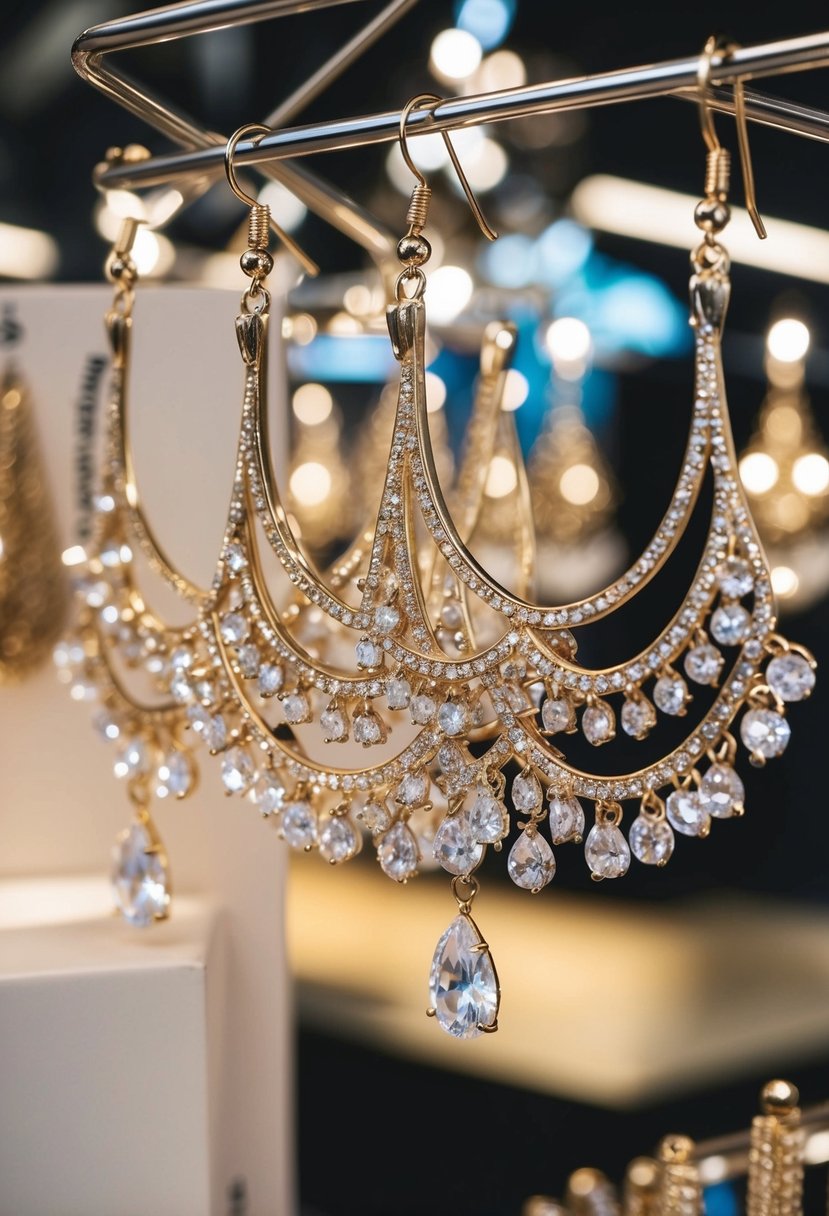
(716,45)
(261,217)
(489,233)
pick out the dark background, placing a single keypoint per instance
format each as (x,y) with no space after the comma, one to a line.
(417,1139)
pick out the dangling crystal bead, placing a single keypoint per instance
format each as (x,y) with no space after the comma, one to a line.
(566,819)
(638,717)
(735,578)
(670,692)
(296,708)
(452,717)
(598,723)
(376,816)
(339,840)
(687,814)
(422,709)
(140,877)
(531,864)
(463,986)
(703,663)
(269,793)
(765,733)
(334,724)
(730,624)
(526,792)
(398,693)
(238,771)
(651,840)
(606,851)
(386,618)
(271,679)
(721,791)
(298,825)
(413,789)
(557,715)
(175,775)
(488,818)
(455,847)
(398,853)
(790,677)
(233,628)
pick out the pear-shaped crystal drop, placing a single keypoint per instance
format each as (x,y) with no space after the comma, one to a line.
(651,840)
(526,792)
(488,818)
(298,825)
(531,863)
(687,813)
(455,847)
(566,819)
(398,853)
(606,851)
(339,840)
(140,876)
(721,791)
(463,986)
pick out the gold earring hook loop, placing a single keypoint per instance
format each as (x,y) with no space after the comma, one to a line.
(480,218)
(253,128)
(715,45)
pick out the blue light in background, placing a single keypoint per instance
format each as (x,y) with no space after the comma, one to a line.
(721,1200)
(355,359)
(561,251)
(488,20)
(510,261)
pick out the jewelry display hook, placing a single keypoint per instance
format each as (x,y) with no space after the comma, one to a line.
(174,21)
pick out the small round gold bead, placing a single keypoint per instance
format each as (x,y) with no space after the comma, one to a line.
(779,1098)
(120,268)
(256,263)
(414,250)
(711,215)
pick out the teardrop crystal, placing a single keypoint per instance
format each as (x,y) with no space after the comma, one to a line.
(339,839)
(651,840)
(488,818)
(687,814)
(140,876)
(566,819)
(398,853)
(463,986)
(531,864)
(455,847)
(606,851)
(526,792)
(721,791)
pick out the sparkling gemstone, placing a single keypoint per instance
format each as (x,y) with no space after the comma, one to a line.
(375,815)
(452,717)
(248,657)
(556,715)
(531,864)
(334,724)
(298,825)
(182,658)
(233,628)
(730,624)
(606,851)
(463,989)
(790,677)
(398,693)
(455,847)
(214,732)
(367,729)
(133,759)
(140,878)
(271,679)
(638,717)
(598,723)
(526,792)
(175,775)
(107,725)
(268,793)
(687,813)
(339,840)
(722,791)
(181,689)
(398,853)
(296,708)
(517,699)
(369,653)
(413,789)
(386,618)
(651,840)
(703,663)
(488,818)
(735,578)
(765,732)
(238,770)
(566,819)
(422,709)
(670,693)
(235,559)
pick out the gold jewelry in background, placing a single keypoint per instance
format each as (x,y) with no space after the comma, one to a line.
(33,586)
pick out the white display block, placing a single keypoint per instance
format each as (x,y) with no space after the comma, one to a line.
(61,804)
(110,1055)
